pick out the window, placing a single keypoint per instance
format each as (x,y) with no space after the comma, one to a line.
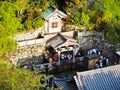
(54,24)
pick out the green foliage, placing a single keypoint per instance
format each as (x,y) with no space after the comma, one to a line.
(80,18)
(30,13)
(84,19)
(101,15)
(17,16)
(54,3)
(76,37)
(76,18)
(18,79)
(70,4)
(21,15)
(8,19)
(105,15)
(31,16)
(112,36)
(7,44)
(9,25)
(28,25)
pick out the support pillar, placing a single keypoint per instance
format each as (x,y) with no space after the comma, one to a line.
(59,58)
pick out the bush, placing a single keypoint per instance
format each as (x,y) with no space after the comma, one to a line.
(18,79)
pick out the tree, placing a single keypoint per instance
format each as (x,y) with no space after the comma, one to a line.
(30,13)
(54,3)
(9,25)
(16,16)
(84,19)
(80,18)
(76,18)
(18,79)
(104,15)
(70,4)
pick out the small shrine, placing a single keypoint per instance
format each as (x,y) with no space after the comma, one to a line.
(53,20)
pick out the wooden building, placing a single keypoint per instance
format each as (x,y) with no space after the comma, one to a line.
(118,57)
(53,20)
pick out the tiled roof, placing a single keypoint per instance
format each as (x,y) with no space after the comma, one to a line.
(48,13)
(59,39)
(99,79)
(52,11)
(118,53)
(56,40)
(67,83)
(70,39)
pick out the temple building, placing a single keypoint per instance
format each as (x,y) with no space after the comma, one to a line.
(53,23)
(53,20)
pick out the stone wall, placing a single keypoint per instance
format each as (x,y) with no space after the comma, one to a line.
(31,42)
(28,53)
(89,39)
(69,33)
(118,46)
(30,47)
(48,36)
(28,50)
(29,35)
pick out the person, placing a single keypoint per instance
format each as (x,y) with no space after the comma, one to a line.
(50,60)
(51,80)
(104,61)
(97,65)
(93,51)
(46,70)
(100,63)
(78,54)
(90,52)
(54,57)
(45,58)
(69,56)
(101,57)
(63,56)
(107,61)
(82,52)
(98,51)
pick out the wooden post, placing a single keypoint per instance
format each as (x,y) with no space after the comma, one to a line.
(59,58)
(73,55)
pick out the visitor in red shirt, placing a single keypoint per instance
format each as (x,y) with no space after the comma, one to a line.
(54,57)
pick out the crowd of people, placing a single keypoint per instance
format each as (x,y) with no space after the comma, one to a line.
(80,52)
(68,55)
(103,61)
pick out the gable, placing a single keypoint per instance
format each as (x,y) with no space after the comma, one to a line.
(118,53)
(56,40)
(48,13)
(55,16)
(60,40)
(51,11)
